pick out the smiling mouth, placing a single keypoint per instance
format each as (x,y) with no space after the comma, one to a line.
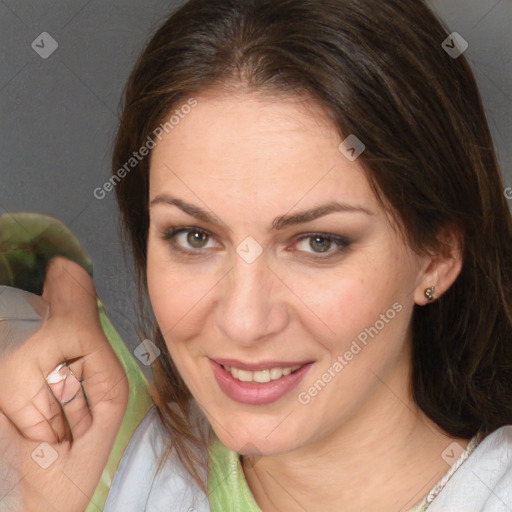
(260,376)
(259,383)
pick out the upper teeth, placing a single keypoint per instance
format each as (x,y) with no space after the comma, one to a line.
(260,375)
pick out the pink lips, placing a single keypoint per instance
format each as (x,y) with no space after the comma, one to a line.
(263,365)
(255,393)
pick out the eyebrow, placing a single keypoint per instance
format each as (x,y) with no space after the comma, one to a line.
(279,223)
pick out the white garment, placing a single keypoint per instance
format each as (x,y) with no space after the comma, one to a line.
(483,483)
(136,487)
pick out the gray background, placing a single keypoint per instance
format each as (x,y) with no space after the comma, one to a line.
(59,115)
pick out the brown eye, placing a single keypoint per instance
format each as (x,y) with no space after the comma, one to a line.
(196,239)
(187,240)
(323,243)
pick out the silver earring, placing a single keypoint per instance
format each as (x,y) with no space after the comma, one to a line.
(429,293)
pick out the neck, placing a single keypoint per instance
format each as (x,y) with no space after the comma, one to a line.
(387,459)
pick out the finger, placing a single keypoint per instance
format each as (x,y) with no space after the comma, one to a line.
(53,421)
(63,383)
(73,315)
(66,384)
(58,412)
(107,390)
(72,331)
(69,289)
(38,417)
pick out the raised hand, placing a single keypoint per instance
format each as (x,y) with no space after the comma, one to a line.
(63,395)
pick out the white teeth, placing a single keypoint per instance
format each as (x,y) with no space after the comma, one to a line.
(260,376)
(276,373)
(244,375)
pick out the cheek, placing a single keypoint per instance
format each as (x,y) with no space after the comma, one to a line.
(360,314)
(338,304)
(177,294)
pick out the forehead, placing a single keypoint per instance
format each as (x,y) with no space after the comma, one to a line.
(248,148)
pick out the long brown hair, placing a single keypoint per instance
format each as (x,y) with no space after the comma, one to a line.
(379,70)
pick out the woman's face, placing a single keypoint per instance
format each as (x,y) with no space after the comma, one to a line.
(264,281)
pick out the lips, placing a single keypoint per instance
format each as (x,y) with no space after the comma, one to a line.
(263,365)
(256,393)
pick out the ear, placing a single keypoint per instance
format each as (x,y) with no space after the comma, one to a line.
(442,269)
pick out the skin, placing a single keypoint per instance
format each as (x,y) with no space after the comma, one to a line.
(31,412)
(248,159)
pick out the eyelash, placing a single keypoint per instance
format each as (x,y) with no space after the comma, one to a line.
(341,242)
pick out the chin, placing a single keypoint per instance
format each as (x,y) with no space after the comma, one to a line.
(256,439)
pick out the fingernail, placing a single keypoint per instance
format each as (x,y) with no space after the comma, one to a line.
(54,377)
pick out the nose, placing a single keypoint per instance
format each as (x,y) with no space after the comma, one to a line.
(251,303)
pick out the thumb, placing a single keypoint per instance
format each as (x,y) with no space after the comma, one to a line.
(69,289)
(73,335)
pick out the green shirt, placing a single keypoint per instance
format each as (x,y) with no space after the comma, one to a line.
(227,487)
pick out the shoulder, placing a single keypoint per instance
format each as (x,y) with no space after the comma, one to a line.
(483,483)
(137,485)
